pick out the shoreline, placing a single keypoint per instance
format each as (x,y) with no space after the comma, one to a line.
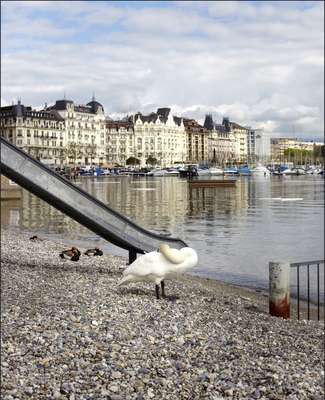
(261,291)
(258,291)
(68,333)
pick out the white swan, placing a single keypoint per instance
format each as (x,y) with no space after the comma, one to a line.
(156,266)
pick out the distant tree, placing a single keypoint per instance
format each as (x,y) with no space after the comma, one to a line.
(91,151)
(132,161)
(298,156)
(73,151)
(151,160)
(318,152)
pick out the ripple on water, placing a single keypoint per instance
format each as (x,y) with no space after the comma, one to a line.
(236,232)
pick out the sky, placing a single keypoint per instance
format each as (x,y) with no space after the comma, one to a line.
(259,63)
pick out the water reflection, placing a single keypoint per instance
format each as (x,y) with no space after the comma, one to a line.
(236,230)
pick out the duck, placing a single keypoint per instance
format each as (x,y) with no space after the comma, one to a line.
(35,238)
(95,252)
(73,254)
(157,266)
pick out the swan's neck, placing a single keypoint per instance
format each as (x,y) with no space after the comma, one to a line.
(175,258)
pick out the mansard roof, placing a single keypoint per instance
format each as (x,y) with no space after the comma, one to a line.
(220,128)
(162,114)
(19,110)
(61,104)
(91,107)
(95,105)
(234,125)
(191,125)
(84,109)
(225,127)
(119,124)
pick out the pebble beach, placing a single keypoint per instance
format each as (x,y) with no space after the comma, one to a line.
(67,332)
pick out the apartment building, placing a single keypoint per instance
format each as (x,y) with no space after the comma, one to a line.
(120,141)
(221,142)
(197,140)
(85,139)
(74,134)
(239,138)
(258,145)
(39,133)
(279,145)
(64,133)
(159,135)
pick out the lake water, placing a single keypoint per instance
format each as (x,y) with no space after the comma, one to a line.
(236,231)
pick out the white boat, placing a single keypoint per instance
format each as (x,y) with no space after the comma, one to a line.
(157,172)
(215,171)
(260,170)
(202,171)
(231,171)
(172,172)
(288,171)
(299,171)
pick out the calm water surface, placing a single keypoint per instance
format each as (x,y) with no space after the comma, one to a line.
(236,231)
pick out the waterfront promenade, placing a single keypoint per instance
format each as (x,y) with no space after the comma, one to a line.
(69,333)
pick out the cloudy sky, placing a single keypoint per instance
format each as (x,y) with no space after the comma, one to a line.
(261,63)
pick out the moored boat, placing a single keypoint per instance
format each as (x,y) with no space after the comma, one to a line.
(244,170)
(215,171)
(231,171)
(260,170)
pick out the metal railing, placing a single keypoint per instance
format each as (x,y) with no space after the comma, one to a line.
(310,270)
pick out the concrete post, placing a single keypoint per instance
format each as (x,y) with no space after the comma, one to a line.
(279,286)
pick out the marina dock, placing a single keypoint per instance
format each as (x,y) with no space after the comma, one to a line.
(198,183)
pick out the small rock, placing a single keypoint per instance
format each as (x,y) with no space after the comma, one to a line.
(114,388)
(116,375)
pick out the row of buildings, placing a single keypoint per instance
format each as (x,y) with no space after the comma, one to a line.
(67,133)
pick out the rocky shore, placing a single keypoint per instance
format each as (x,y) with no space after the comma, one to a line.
(67,332)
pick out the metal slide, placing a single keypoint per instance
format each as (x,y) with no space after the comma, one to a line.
(78,204)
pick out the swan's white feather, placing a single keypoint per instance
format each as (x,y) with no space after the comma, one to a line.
(173,255)
(155,267)
(147,264)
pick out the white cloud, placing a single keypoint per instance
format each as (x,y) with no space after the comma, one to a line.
(259,63)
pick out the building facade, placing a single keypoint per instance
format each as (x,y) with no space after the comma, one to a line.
(239,137)
(39,133)
(120,141)
(85,139)
(70,134)
(197,142)
(158,136)
(280,145)
(221,142)
(258,146)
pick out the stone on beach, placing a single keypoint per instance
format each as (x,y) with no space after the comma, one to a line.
(67,332)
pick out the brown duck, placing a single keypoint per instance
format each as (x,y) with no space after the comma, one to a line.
(36,239)
(94,252)
(73,254)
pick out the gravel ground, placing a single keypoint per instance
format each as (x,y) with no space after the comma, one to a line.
(69,333)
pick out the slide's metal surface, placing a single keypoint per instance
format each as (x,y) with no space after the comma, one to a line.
(77,203)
